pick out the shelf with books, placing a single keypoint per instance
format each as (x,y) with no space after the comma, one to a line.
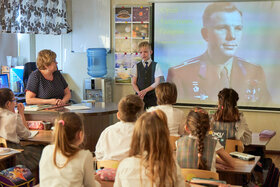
(132,26)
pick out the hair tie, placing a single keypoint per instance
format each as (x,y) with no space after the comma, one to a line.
(200,110)
(222,107)
(199,155)
(61,122)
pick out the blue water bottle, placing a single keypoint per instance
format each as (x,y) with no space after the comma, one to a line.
(97,62)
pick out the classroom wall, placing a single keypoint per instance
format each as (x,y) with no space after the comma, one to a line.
(75,71)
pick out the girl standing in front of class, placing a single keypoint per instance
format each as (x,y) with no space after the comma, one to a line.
(198,149)
(65,163)
(14,127)
(150,161)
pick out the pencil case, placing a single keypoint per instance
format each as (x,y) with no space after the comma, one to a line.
(107,174)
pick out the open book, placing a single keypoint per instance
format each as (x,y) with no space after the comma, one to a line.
(207,182)
(7,151)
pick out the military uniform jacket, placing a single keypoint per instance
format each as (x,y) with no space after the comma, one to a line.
(198,79)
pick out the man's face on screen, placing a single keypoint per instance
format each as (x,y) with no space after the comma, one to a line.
(224,32)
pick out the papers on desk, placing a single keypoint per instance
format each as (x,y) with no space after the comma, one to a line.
(43,107)
(31,108)
(37,107)
(77,107)
(33,133)
(7,151)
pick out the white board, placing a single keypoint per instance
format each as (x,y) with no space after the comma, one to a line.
(90,24)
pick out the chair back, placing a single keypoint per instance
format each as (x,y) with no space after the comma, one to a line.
(173,140)
(188,174)
(234,145)
(27,70)
(3,142)
(108,164)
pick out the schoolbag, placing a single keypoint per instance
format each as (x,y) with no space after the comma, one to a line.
(16,176)
(272,177)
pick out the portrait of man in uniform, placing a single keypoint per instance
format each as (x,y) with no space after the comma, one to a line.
(204,76)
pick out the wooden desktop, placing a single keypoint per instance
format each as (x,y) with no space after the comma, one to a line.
(96,119)
(239,175)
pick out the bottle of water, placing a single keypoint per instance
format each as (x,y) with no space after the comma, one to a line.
(97,62)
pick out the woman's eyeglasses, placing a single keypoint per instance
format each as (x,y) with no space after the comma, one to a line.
(14,100)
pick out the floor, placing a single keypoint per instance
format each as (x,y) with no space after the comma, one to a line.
(275,158)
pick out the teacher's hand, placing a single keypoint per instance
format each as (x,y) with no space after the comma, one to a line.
(53,101)
(60,102)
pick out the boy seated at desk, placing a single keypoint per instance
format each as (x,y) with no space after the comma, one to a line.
(14,127)
(114,141)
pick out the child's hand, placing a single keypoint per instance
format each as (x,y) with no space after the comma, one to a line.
(142,93)
(222,166)
(97,177)
(20,108)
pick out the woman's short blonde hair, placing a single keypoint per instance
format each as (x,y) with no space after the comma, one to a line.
(45,58)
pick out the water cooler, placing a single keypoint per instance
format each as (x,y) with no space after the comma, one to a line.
(98,88)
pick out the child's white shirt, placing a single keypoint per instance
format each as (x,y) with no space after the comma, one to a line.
(128,174)
(11,126)
(158,71)
(175,118)
(114,141)
(78,172)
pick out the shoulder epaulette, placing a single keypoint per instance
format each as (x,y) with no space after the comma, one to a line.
(188,62)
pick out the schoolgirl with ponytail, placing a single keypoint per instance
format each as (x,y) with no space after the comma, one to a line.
(198,149)
(64,163)
(228,117)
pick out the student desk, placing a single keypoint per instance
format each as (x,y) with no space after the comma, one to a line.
(7,161)
(257,141)
(44,137)
(240,174)
(258,145)
(96,119)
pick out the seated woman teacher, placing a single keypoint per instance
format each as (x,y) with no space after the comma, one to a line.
(46,85)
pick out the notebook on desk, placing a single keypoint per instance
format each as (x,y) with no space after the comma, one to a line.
(41,107)
(7,151)
(242,156)
(77,107)
(33,133)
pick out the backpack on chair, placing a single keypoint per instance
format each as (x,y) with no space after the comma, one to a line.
(16,176)
(270,173)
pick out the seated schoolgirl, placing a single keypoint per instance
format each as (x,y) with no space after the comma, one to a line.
(13,127)
(114,141)
(166,94)
(198,150)
(65,163)
(150,161)
(228,118)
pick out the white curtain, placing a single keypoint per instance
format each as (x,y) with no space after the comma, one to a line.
(33,16)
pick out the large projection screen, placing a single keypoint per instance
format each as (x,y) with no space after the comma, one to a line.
(241,51)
